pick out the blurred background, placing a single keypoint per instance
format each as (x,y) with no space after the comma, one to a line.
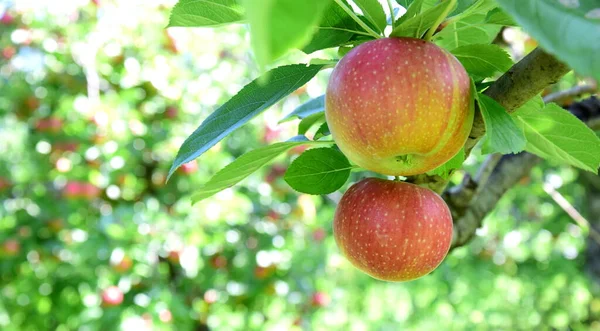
(95,99)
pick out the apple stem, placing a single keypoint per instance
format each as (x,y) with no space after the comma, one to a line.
(440,20)
(392,18)
(358,20)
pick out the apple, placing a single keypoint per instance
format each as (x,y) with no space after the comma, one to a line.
(124,265)
(8,52)
(50,124)
(7,19)
(74,190)
(218,261)
(399,106)
(189,168)
(11,247)
(171,112)
(319,234)
(392,230)
(320,299)
(4,183)
(112,296)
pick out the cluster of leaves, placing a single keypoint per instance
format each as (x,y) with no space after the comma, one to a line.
(468,28)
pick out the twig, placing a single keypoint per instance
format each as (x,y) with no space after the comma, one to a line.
(440,20)
(569,209)
(576,91)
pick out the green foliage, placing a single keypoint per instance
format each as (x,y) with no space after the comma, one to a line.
(483,60)
(249,102)
(318,171)
(577,45)
(311,107)
(502,134)
(278,26)
(243,166)
(336,28)
(309,121)
(373,11)
(418,25)
(193,13)
(470,30)
(445,170)
(555,134)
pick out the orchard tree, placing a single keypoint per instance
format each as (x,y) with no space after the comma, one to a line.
(416,88)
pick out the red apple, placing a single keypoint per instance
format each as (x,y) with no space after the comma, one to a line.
(50,124)
(399,106)
(319,234)
(7,19)
(8,52)
(165,316)
(171,112)
(124,265)
(218,261)
(11,247)
(392,230)
(320,299)
(174,257)
(112,296)
(189,168)
(74,190)
(4,183)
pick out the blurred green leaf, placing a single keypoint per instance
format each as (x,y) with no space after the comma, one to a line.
(194,13)
(276,26)
(502,134)
(249,102)
(418,25)
(567,29)
(318,171)
(483,60)
(308,108)
(373,11)
(554,133)
(245,165)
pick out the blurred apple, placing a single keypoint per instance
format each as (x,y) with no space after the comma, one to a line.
(56,225)
(4,183)
(174,257)
(124,265)
(8,52)
(7,19)
(275,172)
(65,146)
(11,247)
(189,168)
(264,272)
(74,190)
(218,261)
(171,112)
(165,316)
(211,296)
(271,134)
(319,234)
(50,124)
(320,299)
(25,231)
(112,296)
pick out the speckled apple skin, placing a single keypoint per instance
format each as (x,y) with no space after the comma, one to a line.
(392,231)
(399,106)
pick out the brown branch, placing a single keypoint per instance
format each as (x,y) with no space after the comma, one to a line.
(561,96)
(524,80)
(471,203)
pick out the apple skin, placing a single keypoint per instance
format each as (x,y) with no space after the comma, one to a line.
(391,230)
(399,106)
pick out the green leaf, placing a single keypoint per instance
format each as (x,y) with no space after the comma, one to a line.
(411,11)
(446,169)
(555,134)
(322,131)
(483,60)
(502,134)
(373,11)
(336,28)
(418,25)
(312,106)
(245,165)
(194,13)
(318,171)
(253,99)
(405,3)
(567,29)
(276,26)
(500,17)
(309,121)
(470,30)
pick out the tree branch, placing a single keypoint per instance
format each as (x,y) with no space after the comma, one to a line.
(471,203)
